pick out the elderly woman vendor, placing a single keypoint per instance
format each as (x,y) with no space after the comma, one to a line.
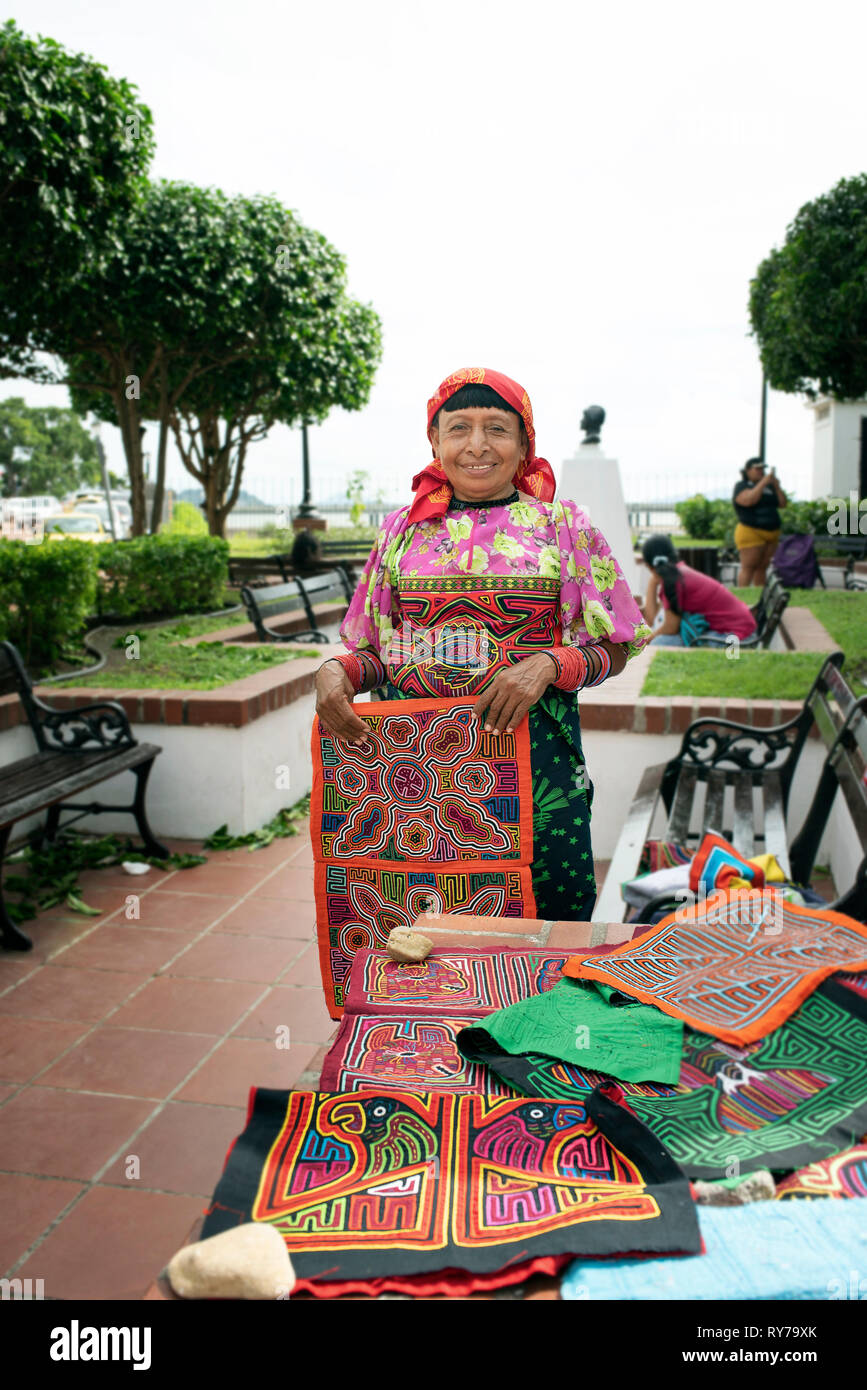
(535,594)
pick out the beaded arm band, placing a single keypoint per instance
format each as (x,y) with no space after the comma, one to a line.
(364,669)
(580,666)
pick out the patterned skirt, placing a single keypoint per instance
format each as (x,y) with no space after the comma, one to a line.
(564,884)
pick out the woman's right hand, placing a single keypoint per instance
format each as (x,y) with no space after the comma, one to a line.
(334,694)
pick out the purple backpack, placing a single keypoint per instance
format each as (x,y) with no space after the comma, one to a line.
(795,562)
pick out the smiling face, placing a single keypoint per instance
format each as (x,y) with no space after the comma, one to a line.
(480,450)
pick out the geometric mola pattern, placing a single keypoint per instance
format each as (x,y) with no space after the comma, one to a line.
(430,814)
(736,966)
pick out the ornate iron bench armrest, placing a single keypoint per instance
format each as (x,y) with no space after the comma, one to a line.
(104,722)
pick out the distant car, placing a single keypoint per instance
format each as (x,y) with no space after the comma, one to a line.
(77,526)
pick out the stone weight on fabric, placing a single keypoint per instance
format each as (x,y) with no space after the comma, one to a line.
(249,1262)
(408,947)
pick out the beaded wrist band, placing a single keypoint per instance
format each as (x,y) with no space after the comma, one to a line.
(580,667)
(365,670)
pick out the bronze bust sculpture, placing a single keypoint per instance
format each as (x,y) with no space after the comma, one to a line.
(591,423)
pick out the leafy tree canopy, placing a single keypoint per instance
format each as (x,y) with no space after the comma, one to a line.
(808,300)
(75,145)
(44,449)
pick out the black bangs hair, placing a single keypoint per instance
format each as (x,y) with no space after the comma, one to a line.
(472,397)
(658,552)
(750,463)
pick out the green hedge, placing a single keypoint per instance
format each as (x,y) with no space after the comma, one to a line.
(48,591)
(706,519)
(162,575)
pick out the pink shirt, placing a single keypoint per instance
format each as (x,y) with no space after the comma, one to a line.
(698,593)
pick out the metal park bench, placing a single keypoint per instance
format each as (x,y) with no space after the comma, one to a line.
(736,779)
(76,749)
(261,570)
(274,600)
(767,613)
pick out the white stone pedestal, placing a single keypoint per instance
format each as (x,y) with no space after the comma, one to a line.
(592,479)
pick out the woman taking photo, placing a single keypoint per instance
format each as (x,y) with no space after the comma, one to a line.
(533,590)
(694,604)
(757,499)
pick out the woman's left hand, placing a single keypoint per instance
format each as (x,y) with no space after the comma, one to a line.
(514,691)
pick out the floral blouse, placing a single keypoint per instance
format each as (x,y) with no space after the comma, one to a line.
(548,540)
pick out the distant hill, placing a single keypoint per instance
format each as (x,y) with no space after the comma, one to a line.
(197,497)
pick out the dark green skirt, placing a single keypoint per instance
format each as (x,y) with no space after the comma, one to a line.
(564,884)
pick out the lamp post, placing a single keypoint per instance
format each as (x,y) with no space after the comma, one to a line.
(306,520)
(764,418)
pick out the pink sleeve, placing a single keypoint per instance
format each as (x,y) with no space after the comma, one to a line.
(372,614)
(595,600)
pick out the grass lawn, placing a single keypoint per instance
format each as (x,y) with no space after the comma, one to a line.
(164,664)
(769,675)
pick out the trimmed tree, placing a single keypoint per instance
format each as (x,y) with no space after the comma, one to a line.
(808,299)
(237,317)
(75,145)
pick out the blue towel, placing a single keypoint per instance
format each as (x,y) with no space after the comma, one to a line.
(783,1250)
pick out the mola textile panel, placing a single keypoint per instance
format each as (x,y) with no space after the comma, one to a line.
(400,1184)
(430,814)
(736,966)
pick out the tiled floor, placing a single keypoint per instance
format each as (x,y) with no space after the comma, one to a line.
(128,1045)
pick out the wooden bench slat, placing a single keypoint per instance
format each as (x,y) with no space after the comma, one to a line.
(776,842)
(714,804)
(30,790)
(630,843)
(681,810)
(743,834)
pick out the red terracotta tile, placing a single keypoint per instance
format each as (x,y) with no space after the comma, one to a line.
(265,858)
(239,1063)
(269,917)
(129,1062)
(173,709)
(302,1011)
(461,923)
(303,854)
(222,956)
(178,911)
(291,884)
(16,967)
(6,1092)
(681,713)
(54,992)
(111,1243)
(655,710)
(182,1149)
(106,900)
(29,1205)
(121,948)
(66,1134)
(52,935)
(27,1045)
(764,713)
(306,969)
(228,881)
(188,1006)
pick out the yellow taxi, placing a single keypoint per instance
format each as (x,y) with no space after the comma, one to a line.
(78,526)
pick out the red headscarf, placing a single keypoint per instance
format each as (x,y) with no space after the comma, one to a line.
(432,489)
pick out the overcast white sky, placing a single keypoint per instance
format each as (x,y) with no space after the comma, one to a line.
(577,196)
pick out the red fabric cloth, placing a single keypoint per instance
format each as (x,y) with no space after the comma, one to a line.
(698,593)
(432,489)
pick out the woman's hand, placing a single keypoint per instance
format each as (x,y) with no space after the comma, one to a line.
(514,691)
(334,693)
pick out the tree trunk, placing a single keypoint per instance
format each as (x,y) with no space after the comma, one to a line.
(130,429)
(160,482)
